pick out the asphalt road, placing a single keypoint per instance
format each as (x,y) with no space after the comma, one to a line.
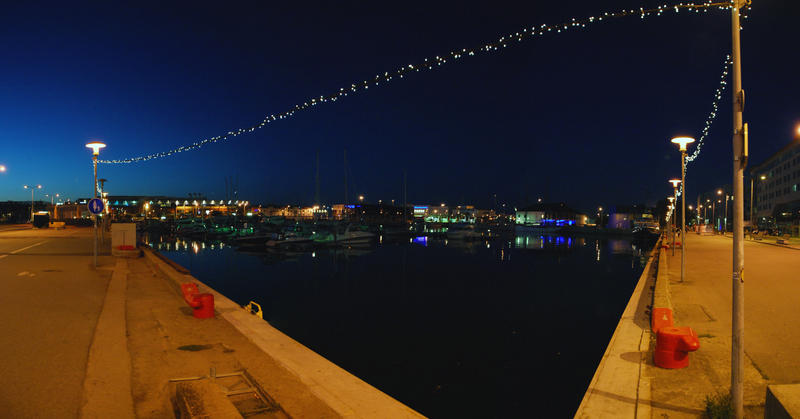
(50,300)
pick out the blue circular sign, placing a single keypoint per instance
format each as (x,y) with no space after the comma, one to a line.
(95,206)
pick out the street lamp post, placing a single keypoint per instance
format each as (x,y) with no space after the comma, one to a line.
(719,192)
(725,220)
(682,142)
(600,215)
(32,188)
(95,146)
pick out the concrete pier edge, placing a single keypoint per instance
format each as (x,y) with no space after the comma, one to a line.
(618,387)
(346,394)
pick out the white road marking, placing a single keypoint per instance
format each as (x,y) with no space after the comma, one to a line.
(19,250)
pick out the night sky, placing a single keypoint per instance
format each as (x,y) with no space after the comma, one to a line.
(583,116)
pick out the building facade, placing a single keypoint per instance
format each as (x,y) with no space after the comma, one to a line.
(776,188)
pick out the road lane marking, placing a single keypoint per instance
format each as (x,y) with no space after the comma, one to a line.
(20,250)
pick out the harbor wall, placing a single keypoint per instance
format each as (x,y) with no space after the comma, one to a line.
(346,394)
(617,388)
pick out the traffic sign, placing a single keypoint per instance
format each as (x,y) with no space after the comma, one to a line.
(95,206)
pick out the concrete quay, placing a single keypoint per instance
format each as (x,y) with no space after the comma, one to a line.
(703,302)
(106,342)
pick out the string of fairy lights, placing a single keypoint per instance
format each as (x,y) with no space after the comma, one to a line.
(437,61)
(723,83)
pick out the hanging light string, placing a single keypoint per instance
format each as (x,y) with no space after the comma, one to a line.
(723,83)
(434,62)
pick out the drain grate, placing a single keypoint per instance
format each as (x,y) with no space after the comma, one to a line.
(244,393)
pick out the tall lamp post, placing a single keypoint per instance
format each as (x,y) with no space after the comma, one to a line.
(719,192)
(682,142)
(32,188)
(95,146)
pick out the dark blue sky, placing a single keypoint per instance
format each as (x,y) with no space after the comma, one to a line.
(583,116)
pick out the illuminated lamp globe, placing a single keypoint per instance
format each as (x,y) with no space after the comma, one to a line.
(671,198)
(95,146)
(675,182)
(682,142)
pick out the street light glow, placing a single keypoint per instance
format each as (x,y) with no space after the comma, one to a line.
(95,146)
(675,182)
(2,168)
(682,141)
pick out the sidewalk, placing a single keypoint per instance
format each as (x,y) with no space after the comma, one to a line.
(703,301)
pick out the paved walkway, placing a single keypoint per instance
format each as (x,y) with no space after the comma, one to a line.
(105,342)
(703,301)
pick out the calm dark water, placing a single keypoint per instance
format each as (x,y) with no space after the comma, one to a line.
(512,327)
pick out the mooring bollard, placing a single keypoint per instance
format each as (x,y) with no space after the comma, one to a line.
(673,345)
(202,304)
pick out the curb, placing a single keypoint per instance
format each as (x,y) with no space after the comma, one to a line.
(661,314)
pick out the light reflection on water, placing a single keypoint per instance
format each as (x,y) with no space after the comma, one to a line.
(436,323)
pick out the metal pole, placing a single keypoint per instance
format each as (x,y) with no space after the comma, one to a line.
(683,215)
(726,214)
(31,206)
(752,226)
(94,188)
(697,208)
(737,345)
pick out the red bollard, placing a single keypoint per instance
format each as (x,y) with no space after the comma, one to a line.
(189,289)
(202,304)
(661,317)
(205,308)
(673,345)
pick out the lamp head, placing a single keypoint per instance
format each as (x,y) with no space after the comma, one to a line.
(95,146)
(719,191)
(671,198)
(675,182)
(682,141)
(763,177)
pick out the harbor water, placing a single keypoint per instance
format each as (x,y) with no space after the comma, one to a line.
(509,327)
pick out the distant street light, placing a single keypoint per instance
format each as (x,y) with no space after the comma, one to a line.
(2,168)
(682,142)
(95,146)
(32,188)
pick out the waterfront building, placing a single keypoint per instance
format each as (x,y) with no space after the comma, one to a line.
(776,183)
(628,217)
(545,214)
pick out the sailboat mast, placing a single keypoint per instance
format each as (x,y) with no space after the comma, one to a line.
(316,192)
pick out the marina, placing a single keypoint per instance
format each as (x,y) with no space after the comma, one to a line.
(432,320)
